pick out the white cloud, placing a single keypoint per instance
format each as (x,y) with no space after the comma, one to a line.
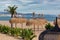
(51,2)
(8,5)
(26,1)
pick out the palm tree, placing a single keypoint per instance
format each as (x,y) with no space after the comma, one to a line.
(15,13)
(12,11)
(38,15)
(42,15)
(33,15)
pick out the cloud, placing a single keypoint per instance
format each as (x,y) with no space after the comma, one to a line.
(25,0)
(33,5)
(51,1)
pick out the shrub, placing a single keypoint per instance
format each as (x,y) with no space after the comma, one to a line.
(48,26)
(27,34)
(15,31)
(5,29)
(1,27)
(10,31)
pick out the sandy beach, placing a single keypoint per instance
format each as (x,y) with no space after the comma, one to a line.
(37,33)
(19,25)
(6,37)
(5,23)
(42,28)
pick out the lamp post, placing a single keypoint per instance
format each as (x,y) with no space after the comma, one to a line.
(56,23)
(56,28)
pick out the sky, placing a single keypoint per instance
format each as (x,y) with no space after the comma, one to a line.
(29,6)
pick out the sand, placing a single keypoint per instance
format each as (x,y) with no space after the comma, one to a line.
(6,37)
(19,25)
(42,28)
(5,23)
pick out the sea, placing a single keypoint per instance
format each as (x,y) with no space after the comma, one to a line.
(5,17)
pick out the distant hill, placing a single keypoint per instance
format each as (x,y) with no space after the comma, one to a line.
(4,13)
(26,15)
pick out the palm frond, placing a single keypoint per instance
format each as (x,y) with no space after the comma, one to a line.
(9,7)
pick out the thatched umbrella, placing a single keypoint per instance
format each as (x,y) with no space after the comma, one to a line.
(28,23)
(18,20)
(41,21)
(33,22)
(38,22)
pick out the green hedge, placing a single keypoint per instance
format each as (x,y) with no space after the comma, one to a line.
(4,29)
(10,31)
(26,34)
(15,31)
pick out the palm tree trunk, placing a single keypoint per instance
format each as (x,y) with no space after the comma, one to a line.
(11,23)
(11,15)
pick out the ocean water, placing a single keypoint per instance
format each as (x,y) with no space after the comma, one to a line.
(29,16)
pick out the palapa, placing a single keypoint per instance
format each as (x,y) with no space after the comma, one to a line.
(18,20)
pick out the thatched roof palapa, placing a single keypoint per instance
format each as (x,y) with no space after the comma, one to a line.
(38,21)
(17,20)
